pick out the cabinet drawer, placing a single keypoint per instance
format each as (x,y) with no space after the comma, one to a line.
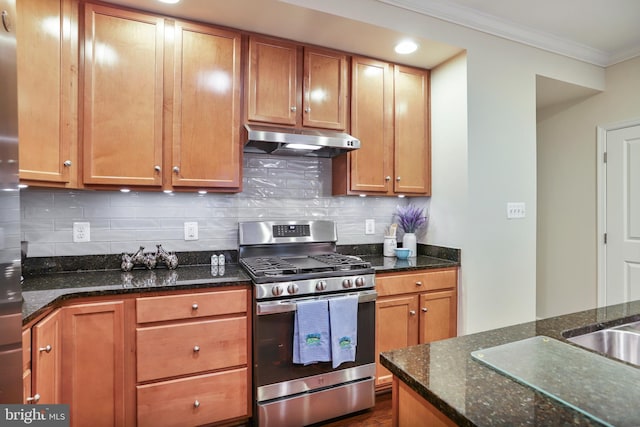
(199,400)
(186,348)
(190,306)
(402,283)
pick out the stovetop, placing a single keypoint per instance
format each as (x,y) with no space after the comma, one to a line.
(263,269)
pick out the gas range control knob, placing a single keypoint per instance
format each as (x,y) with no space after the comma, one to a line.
(360,282)
(347,283)
(321,285)
(277,290)
(292,288)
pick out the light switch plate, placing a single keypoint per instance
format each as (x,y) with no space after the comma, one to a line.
(516,210)
(190,231)
(370,226)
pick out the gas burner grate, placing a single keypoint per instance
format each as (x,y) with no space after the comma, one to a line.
(342,262)
(268,266)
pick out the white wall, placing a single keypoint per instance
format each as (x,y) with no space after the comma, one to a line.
(498,285)
(567,240)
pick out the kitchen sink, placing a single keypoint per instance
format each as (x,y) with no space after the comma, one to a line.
(621,342)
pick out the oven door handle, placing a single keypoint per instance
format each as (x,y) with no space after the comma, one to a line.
(272,307)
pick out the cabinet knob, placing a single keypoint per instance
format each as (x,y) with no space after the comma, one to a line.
(196,403)
(294,109)
(176,169)
(387,178)
(425,309)
(418,283)
(194,306)
(67,163)
(47,349)
(398,179)
(412,312)
(34,399)
(307,110)
(196,348)
(156,168)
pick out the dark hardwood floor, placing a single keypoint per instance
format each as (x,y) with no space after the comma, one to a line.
(380,415)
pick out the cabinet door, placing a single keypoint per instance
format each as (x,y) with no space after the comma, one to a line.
(412,140)
(396,327)
(206,121)
(272,82)
(372,123)
(47,94)
(122,103)
(93,363)
(325,89)
(46,359)
(438,316)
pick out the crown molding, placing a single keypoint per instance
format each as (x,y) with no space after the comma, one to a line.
(493,25)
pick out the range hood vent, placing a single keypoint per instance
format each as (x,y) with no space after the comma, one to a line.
(298,142)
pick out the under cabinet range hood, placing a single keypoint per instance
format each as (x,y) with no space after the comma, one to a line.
(298,142)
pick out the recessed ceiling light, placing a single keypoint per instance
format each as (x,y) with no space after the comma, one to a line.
(406,47)
(169,1)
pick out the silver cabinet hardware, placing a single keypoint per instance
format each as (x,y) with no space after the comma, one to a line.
(418,283)
(156,168)
(67,163)
(196,403)
(176,169)
(194,306)
(412,312)
(425,309)
(196,348)
(47,349)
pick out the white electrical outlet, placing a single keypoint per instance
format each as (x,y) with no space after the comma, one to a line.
(81,232)
(516,210)
(369,226)
(190,231)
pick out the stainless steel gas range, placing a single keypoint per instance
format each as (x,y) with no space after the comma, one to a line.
(291,262)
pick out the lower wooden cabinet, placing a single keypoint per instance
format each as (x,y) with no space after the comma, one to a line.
(194,401)
(172,359)
(192,358)
(414,308)
(410,409)
(46,360)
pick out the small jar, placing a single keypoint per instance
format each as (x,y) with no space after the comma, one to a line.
(389,246)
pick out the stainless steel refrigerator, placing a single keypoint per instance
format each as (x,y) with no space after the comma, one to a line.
(10,268)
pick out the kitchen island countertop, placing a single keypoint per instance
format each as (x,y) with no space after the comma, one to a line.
(472,394)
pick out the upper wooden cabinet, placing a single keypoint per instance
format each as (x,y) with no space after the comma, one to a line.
(412,142)
(161,102)
(390,117)
(47,54)
(287,84)
(123,97)
(206,107)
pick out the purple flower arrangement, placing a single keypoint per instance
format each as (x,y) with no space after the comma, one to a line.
(410,218)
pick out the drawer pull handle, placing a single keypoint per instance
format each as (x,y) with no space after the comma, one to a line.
(196,404)
(34,399)
(47,349)
(418,283)
(194,307)
(425,309)
(412,312)
(196,348)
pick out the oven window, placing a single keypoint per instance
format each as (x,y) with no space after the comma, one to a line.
(273,347)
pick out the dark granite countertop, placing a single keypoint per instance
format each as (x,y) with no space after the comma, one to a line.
(472,394)
(42,290)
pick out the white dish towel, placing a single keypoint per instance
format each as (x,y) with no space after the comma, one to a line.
(311,336)
(343,314)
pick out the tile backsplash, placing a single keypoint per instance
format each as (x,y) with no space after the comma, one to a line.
(274,187)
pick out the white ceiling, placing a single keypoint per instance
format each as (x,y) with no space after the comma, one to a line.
(600,32)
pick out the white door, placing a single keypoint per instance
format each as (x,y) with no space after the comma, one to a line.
(623,215)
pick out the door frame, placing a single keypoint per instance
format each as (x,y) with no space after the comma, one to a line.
(601,214)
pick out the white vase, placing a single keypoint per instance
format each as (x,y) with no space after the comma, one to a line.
(409,242)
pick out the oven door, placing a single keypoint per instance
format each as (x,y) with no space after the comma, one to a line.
(275,374)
